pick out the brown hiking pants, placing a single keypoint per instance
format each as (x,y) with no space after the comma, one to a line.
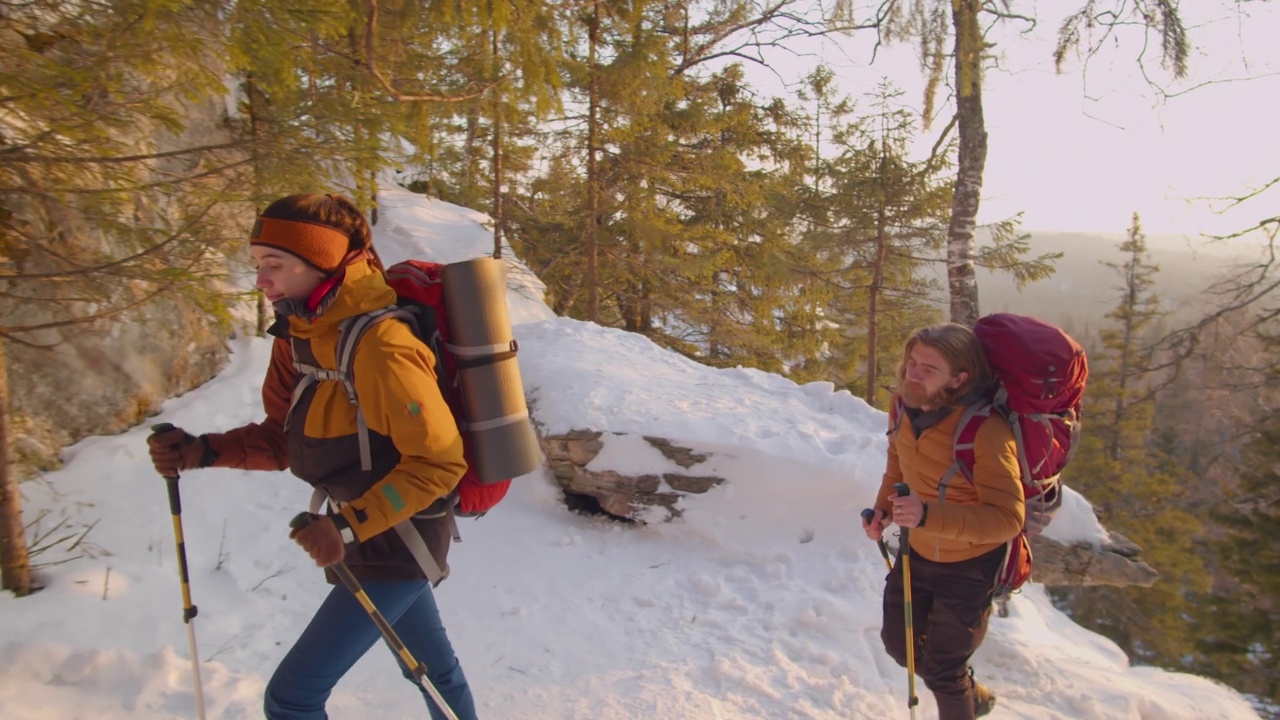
(950,604)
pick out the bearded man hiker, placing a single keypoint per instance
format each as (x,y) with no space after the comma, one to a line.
(957,530)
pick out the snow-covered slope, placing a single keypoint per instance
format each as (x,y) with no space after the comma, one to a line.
(763,601)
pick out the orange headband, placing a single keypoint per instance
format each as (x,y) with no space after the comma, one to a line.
(319,245)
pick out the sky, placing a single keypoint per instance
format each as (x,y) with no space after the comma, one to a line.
(1083,150)
(761,601)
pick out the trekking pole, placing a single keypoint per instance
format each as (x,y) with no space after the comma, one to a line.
(188,610)
(904,552)
(418,669)
(868,515)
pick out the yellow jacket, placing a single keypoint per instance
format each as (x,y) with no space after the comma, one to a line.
(972,518)
(416,449)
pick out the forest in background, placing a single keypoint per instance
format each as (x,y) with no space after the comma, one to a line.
(623,154)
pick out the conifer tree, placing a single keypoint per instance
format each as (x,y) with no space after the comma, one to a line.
(1135,489)
(104,205)
(1241,644)
(639,72)
(301,100)
(875,220)
(483,145)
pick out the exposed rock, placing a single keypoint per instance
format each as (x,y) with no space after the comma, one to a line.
(682,456)
(1117,563)
(622,496)
(72,379)
(692,484)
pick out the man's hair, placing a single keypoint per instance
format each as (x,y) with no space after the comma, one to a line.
(960,348)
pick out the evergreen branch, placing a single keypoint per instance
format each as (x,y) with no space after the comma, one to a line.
(1223,81)
(7,331)
(1006,14)
(115,263)
(130,188)
(21,159)
(933,152)
(370,63)
(1249,196)
(770,15)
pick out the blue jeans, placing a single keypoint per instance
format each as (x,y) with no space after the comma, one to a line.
(341,632)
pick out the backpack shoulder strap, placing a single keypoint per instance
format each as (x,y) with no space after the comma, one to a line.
(965,439)
(349,334)
(896,411)
(353,329)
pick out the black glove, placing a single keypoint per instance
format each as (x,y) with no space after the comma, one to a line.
(175,450)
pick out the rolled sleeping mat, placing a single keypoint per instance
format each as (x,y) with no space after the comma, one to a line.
(496,418)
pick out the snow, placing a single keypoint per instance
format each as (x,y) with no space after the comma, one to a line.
(761,601)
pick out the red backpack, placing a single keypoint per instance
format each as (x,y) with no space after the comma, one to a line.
(1042,373)
(419,287)
(420,302)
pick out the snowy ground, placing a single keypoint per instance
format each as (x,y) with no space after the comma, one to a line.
(761,602)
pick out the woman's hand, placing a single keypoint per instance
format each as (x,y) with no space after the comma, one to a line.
(322,541)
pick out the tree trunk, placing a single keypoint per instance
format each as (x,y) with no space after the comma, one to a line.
(497,154)
(873,308)
(592,281)
(877,275)
(970,163)
(15,565)
(252,94)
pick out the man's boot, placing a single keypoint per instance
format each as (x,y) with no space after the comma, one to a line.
(984,701)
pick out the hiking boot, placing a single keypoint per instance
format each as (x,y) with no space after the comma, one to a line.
(984,701)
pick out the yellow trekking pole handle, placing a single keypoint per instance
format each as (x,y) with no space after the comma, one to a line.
(904,552)
(189,610)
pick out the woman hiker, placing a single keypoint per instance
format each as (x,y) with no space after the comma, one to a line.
(317,266)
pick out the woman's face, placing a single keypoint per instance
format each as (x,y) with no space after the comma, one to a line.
(284,275)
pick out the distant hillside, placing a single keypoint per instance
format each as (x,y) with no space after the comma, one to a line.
(1083,290)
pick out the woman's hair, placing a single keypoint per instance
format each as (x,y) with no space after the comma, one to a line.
(334,211)
(960,348)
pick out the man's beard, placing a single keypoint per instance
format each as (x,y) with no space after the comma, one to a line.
(915,396)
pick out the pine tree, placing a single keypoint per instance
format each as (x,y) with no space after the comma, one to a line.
(682,239)
(1242,645)
(1136,489)
(874,220)
(104,205)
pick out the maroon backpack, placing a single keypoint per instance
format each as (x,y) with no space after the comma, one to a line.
(1041,373)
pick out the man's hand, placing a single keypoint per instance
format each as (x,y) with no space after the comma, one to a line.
(908,510)
(322,541)
(173,451)
(874,527)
